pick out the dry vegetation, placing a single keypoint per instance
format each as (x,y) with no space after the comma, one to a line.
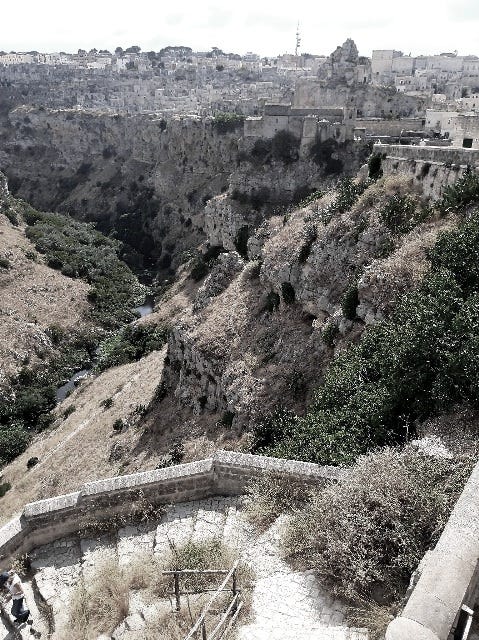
(100,602)
(32,298)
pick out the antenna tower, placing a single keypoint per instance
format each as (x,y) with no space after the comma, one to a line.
(298,41)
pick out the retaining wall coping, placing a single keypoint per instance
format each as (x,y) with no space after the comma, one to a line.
(279,465)
(58,503)
(145,478)
(9,531)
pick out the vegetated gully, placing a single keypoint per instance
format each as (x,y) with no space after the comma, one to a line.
(62,392)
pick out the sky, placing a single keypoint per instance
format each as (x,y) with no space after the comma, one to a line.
(264,27)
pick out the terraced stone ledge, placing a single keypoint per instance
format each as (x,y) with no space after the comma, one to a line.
(225,473)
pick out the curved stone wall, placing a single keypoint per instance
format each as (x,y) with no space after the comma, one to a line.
(226,473)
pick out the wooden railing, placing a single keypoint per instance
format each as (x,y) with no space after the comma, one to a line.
(199,629)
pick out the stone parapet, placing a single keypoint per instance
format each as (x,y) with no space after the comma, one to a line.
(442,155)
(449,575)
(225,473)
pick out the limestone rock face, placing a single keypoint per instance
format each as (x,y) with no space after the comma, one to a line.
(146,179)
(346,53)
(254,332)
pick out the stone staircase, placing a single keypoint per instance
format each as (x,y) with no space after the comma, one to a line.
(285,604)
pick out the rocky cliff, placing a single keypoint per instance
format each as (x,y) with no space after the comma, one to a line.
(261,332)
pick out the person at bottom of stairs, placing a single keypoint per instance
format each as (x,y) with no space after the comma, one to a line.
(10,580)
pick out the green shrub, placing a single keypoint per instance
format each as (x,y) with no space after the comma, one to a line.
(310,237)
(130,344)
(419,362)
(69,410)
(261,150)
(271,429)
(329,333)
(374,166)
(32,462)
(107,403)
(27,404)
(4,487)
(14,439)
(81,252)
(228,122)
(11,215)
(118,425)
(366,534)
(400,214)
(285,146)
(350,302)
(461,194)
(288,293)
(347,193)
(5,263)
(272,301)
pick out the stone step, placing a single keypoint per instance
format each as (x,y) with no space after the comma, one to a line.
(134,540)
(209,523)
(58,569)
(175,528)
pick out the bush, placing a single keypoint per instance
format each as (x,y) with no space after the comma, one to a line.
(271,495)
(14,439)
(285,146)
(4,487)
(5,263)
(261,150)
(271,429)
(32,462)
(347,193)
(228,122)
(81,252)
(118,425)
(272,301)
(374,166)
(130,344)
(288,293)
(350,302)
(11,215)
(458,196)
(329,334)
(367,533)
(400,214)
(68,411)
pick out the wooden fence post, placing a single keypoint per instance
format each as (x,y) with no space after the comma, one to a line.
(177,591)
(234,588)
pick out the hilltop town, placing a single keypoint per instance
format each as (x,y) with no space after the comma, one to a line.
(440,92)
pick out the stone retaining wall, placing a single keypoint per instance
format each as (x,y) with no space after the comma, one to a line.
(433,167)
(449,575)
(226,473)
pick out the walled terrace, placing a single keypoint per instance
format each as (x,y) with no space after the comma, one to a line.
(205,499)
(201,501)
